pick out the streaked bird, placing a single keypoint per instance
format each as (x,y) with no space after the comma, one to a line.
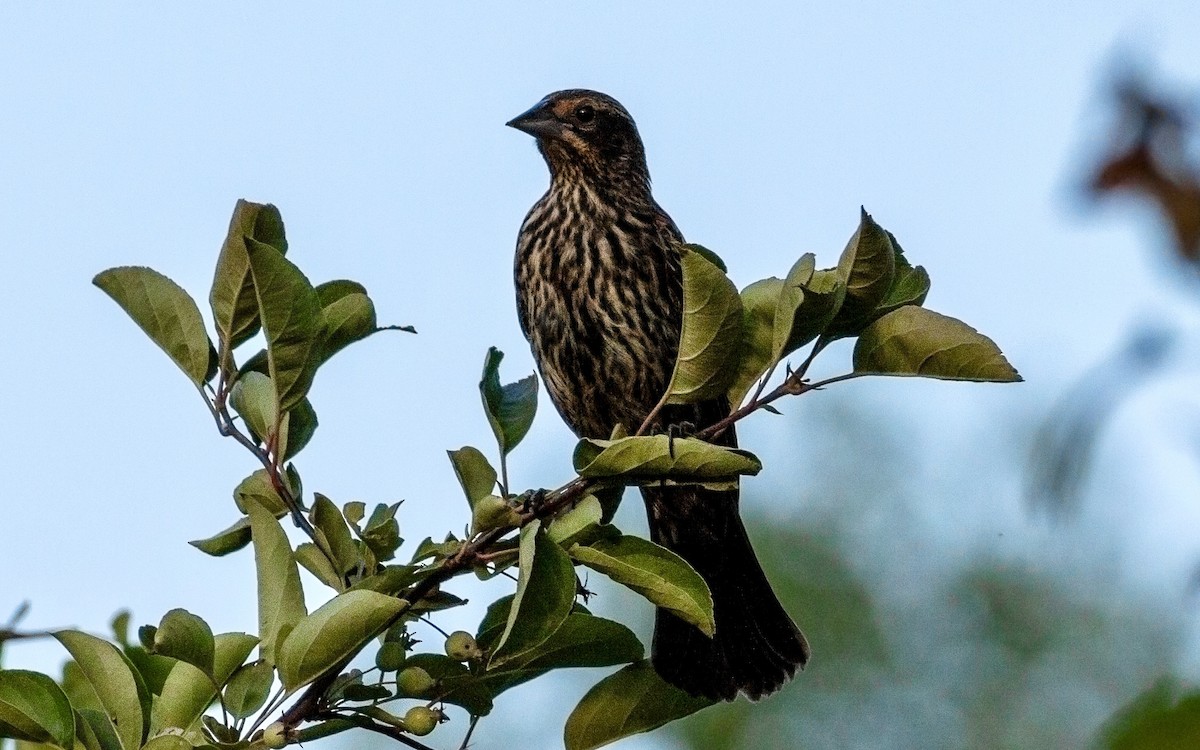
(600,298)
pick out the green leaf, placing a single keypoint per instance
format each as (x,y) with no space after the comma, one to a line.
(294,484)
(219,732)
(759,301)
(291,317)
(710,338)
(576,522)
(224,542)
(146,635)
(117,685)
(312,559)
(168,742)
(328,521)
(492,512)
(152,668)
(347,319)
(120,626)
(336,630)
(299,425)
(909,286)
(392,579)
(234,303)
(867,266)
(348,315)
(280,597)
(184,636)
(33,708)
(474,473)
(808,303)
(381,533)
(494,622)
(656,573)
(510,408)
(582,640)
(1162,717)
(707,254)
(661,457)
(437,601)
(249,688)
(545,594)
(610,500)
(585,640)
(79,691)
(791,298)
(920,342)
(257,488)
(253,397)
(166,313)
(188,691)
(354,511)
(94,729)
(630,701)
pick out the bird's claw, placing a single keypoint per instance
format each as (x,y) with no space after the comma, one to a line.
(532,500)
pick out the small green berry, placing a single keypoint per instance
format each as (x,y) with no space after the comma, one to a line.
(461,646)
(420,720)
(275,736)
(390,657)
(414,681)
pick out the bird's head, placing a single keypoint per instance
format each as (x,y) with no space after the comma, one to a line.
(587,134)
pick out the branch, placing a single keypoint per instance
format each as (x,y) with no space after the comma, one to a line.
(793,385)
(220,412)
(308,707)
(363,722)
(14,635)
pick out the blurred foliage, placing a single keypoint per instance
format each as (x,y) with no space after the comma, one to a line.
(1162,717)
(984,650)
(1152,156)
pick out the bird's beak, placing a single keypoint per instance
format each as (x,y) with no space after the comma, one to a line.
(539,122)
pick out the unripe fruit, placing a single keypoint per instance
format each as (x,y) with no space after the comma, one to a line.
(275,736)
(461,646)
(390,657)
(420,720)
(414,681)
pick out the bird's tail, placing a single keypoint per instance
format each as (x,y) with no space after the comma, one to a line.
(757,647)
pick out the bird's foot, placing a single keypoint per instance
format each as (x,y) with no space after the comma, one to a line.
(532,500)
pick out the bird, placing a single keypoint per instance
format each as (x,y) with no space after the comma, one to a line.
(599,282)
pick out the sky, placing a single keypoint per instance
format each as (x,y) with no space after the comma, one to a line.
(128,131)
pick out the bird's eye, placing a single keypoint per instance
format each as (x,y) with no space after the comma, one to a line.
(585,113)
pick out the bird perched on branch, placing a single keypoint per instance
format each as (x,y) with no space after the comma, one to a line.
(600,298)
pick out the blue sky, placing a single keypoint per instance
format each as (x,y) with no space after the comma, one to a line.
(128,131)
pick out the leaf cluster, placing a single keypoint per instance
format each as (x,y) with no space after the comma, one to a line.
(183,686)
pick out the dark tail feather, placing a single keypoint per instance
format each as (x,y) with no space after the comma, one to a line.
(757,647)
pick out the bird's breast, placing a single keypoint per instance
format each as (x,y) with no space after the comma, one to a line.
(600,299)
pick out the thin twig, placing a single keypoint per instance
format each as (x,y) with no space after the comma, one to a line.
(649,420)
(821,343)
(13,635)
(226,427)
(762,384)
(429,622)
(830,381)
(268,709)
(388,731)
(467,738)
(503,474)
